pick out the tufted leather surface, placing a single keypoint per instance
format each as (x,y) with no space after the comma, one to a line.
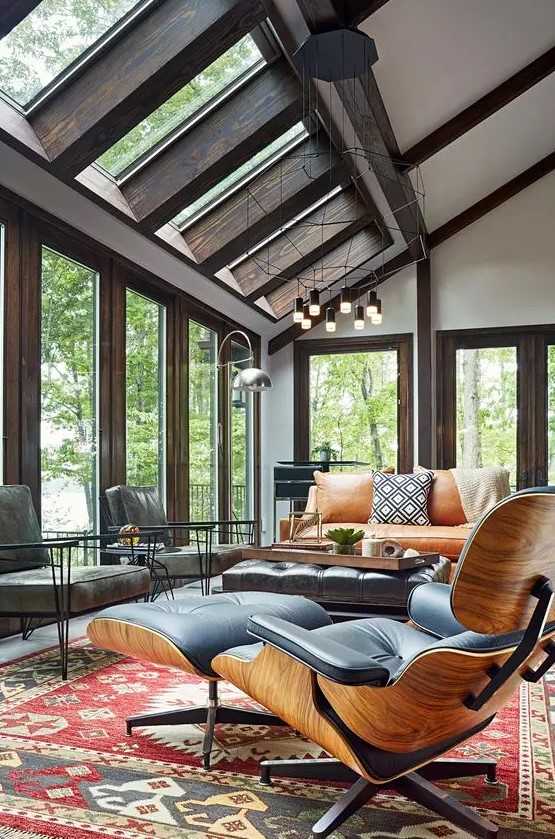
(332,583)
(203,627)
(32,593)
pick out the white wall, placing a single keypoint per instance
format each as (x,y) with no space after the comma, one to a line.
(499,271)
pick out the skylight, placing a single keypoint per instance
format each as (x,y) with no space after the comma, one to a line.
(54,35)
(224,72)
(262,160)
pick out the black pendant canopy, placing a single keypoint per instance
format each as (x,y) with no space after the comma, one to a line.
(336,54)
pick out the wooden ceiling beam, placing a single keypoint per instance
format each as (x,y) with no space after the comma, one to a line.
(291,252)
(397,263)
(481,109)
(150,62)
(357,250)
(228,137)
(13,12)
(351,13)
(491,201)
(272,199)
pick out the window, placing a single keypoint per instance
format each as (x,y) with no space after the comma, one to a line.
(551,414)
(243,57)
(68,394)
(50,38)
(355,395)
(203,423)
(252,167)
(2,298)
(145,392)
(241,449)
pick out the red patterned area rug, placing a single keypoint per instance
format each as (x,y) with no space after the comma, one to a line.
(68,770)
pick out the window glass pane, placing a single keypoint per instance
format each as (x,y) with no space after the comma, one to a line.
(2,257)
(203,423)
(353,406)
(145,392)
(182,105)
(551,414)
(68,391)
(264,157)
(487,414)
(242,441)
(50,38)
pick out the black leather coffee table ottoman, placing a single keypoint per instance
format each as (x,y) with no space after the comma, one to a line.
(344,592)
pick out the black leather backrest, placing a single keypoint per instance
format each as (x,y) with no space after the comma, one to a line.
(137,505)
(19,523)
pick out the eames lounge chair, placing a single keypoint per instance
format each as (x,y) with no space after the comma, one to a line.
(388,699)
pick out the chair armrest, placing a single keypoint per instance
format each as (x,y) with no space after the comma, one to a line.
(45,543)
(429,607)
(323,655)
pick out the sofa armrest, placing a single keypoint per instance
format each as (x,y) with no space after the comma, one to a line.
(429,608)
(322,655)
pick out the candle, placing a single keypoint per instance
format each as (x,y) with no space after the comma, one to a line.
(372,546)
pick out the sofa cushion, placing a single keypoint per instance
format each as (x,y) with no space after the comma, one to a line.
(344,496)
(446,541)
(444,501)
(401,499)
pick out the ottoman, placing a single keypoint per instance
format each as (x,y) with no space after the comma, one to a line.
(188,634)
(345,592)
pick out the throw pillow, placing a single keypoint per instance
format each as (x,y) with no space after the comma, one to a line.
(444,502)
(344,496)
(401,499)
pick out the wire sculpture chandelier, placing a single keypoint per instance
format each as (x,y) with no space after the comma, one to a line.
(343,55)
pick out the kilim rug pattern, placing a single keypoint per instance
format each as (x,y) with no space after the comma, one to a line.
(68,770)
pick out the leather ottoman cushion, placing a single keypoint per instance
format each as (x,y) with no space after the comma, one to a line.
(333,584)
(197,629)
(32,593)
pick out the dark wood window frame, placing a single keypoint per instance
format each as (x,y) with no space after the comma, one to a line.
(531,344)
(27,229)
(402,343)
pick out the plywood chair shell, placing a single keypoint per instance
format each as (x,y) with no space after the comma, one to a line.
(287,688)
(509,550)
(139,642)
(425,705)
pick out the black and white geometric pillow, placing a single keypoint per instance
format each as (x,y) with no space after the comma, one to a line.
(401,499)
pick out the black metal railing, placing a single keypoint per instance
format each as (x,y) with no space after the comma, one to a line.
(202,502)
(84,555)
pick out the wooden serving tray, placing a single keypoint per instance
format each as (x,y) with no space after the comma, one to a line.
(321,557)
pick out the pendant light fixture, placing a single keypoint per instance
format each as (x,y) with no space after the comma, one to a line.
(371,307)
(298,310)
(377,316)
(330,319)
(306,323)
(345,305)
(314,302)
(359,316)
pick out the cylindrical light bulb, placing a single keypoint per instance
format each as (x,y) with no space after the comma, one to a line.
(359,317)
(314,302)
(371,307)
(298,310)
(306,323)
(345,304)
(377,317)
(330,319)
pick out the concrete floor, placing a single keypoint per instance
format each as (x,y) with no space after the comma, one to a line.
(47,636)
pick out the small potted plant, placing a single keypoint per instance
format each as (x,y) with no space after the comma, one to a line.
(344,540)
(325,452)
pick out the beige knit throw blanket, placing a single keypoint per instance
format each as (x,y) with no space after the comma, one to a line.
(480,489)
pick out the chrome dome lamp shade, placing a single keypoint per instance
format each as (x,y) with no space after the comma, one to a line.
(250,378)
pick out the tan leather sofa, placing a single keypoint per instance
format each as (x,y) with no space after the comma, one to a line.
(345,500)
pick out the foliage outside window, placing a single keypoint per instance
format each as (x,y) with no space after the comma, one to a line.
(203,423)
(145,391)
(353,405)
(68,388)
(487,408)
(256,162)
(181,106)
(50,38)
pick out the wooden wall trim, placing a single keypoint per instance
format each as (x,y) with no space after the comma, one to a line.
(424,361)
(12,12)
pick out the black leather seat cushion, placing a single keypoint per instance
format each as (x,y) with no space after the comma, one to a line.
(203,627)
(333,584)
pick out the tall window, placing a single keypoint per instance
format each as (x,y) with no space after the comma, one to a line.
(145,392)
(203,423)
(241,449)
(2,296)
(68,391)
(353,396)
(551,414)
(486,388)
